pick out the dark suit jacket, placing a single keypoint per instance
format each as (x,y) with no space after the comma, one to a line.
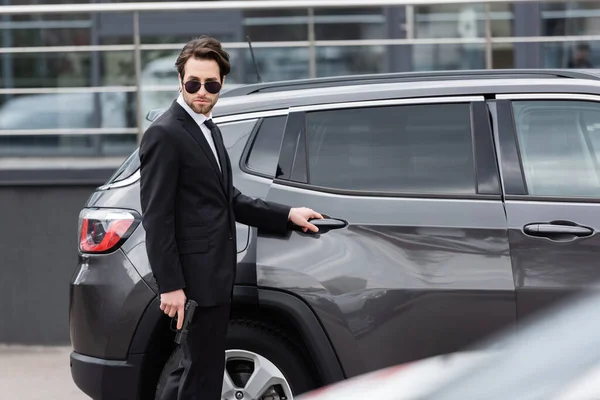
(189,210)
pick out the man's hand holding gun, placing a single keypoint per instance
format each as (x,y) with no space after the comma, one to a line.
(183,319)
(174,304)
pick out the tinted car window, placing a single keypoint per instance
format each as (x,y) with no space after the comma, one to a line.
(129,166)
(233,132)
(414,148)
(264,153)
(559,143)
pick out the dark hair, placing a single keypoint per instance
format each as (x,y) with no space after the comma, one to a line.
(205,48)
(583,47)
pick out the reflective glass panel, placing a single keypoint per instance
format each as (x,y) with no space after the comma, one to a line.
(350,24)
(349,60)
(432,57)
(68,69)
(67,111)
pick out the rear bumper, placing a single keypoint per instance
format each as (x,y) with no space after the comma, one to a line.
(107,379)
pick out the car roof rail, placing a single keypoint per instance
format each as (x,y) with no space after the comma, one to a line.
(422,76)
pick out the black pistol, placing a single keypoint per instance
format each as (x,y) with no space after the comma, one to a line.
(188,314)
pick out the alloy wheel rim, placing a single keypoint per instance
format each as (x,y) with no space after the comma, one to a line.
(265,381)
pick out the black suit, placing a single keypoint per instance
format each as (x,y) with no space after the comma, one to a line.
(189,212)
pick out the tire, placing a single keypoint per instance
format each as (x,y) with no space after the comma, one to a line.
(252,343)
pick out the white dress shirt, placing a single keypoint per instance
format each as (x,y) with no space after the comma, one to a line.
(200,118)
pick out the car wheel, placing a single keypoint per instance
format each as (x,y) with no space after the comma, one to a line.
(262,363)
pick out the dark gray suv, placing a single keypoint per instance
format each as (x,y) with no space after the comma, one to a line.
(456,204)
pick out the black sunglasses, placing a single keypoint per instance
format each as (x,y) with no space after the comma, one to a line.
(213,87)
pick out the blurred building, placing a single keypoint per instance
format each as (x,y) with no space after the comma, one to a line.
(68,82)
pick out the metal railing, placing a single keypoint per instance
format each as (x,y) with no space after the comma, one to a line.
(312,43)
(236,5)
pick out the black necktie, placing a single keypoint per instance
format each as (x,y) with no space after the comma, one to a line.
(218,141)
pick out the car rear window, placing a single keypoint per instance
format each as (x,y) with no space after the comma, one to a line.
(264,153)
(129,166)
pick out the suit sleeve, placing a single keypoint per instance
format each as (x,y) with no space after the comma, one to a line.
(159,168)
(259,213)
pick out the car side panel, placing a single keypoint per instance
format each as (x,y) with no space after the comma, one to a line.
(547,270)
(107,298)
(406,279)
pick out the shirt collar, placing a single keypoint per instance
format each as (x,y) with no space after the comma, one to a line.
(199,118)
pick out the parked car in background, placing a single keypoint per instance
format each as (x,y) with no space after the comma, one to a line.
(456,203)
(72,113)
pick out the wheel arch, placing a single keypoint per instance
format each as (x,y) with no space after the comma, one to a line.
(154,339)
(291,313)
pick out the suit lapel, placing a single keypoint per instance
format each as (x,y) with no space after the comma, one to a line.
(194,130)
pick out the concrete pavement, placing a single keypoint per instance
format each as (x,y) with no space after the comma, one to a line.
(37,373)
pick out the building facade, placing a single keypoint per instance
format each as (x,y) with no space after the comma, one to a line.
(79,84)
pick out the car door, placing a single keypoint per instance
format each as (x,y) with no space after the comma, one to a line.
(549,146)
(413,257)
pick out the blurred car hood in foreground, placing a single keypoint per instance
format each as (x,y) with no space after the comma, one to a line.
(552,356)
(403,382)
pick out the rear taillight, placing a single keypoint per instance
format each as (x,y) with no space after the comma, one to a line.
(104,230)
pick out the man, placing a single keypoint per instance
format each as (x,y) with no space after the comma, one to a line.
(189,211)
(581,58)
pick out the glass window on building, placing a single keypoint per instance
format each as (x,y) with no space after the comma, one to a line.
(570,19)
(350,24)
(275,25)
(466,23)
